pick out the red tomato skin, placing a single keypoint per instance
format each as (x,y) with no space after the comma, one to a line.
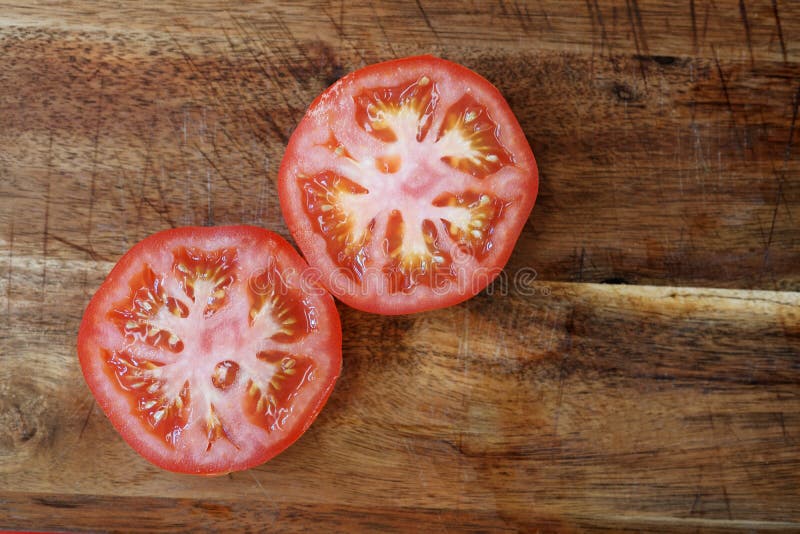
(298,222)
(86,345)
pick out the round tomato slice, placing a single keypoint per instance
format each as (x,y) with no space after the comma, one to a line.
(210,349)
(407,183)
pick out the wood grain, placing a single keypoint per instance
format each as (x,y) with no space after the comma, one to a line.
(528,402)
(666,138)
(658,169)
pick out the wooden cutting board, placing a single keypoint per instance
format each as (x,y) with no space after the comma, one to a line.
(646,379)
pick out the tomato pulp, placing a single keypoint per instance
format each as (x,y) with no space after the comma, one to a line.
(407,184)
(210,349)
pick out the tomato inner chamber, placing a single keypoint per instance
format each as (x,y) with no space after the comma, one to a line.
(267,401)
(177,367)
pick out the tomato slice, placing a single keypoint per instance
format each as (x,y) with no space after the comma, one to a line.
(210,349)
(407,183)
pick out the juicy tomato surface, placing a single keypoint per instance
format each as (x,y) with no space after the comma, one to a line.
(407,184)
(210,349)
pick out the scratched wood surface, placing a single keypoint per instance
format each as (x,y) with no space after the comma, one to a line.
(665,134)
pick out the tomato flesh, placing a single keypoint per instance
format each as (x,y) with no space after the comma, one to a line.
(210,349)
(406,182)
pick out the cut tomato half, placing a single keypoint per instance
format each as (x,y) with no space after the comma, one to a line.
(210,349)
(407,183)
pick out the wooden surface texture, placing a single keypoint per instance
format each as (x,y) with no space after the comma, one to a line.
(647,378)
